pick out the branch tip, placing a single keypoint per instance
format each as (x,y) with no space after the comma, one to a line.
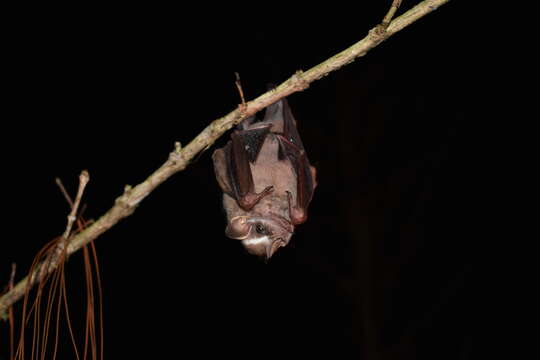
(84,178)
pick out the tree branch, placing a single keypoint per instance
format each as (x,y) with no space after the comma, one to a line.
(390,14)
(180,157)
(83,180)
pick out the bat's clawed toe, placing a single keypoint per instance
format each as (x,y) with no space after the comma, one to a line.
(248,201)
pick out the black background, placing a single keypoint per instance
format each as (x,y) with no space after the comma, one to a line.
(386,266)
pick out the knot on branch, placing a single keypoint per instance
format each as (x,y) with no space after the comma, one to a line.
(126,201)
(299,82)
(242,109)
(378,34)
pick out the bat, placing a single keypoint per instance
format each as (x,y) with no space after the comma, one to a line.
(266,179)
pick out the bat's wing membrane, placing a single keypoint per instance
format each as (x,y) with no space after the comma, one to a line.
(232,166)
(291,147)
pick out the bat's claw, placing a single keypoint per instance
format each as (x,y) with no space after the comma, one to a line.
(297,214)
(248,201)
(267,191)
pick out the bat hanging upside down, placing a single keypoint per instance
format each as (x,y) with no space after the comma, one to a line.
(266,179)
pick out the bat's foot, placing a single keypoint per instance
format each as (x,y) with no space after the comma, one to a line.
(297,214)
(248,201)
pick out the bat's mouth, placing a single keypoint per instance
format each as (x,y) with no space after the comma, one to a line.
(256,241)
(264,246)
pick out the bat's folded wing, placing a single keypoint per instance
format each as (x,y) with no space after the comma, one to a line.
(232,168)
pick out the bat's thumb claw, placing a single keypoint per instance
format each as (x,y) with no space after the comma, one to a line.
(289,196)
(238,228)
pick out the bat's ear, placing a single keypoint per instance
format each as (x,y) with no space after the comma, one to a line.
(278,113)
(246,122)
(274,112)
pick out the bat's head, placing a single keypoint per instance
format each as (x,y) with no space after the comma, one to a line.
(260,235)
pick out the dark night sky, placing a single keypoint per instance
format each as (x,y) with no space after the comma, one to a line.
(387,265)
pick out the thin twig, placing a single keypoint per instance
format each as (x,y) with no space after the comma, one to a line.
(390,14)
(64,192)
(83,180)
(240,91)
(70,202)
(179,159)
(12,275)
(54,256)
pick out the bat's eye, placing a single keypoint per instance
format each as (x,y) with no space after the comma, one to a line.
(260,228)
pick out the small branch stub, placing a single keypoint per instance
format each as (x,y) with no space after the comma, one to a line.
(300,84)
(176,155)
(243,106)
(240,91)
